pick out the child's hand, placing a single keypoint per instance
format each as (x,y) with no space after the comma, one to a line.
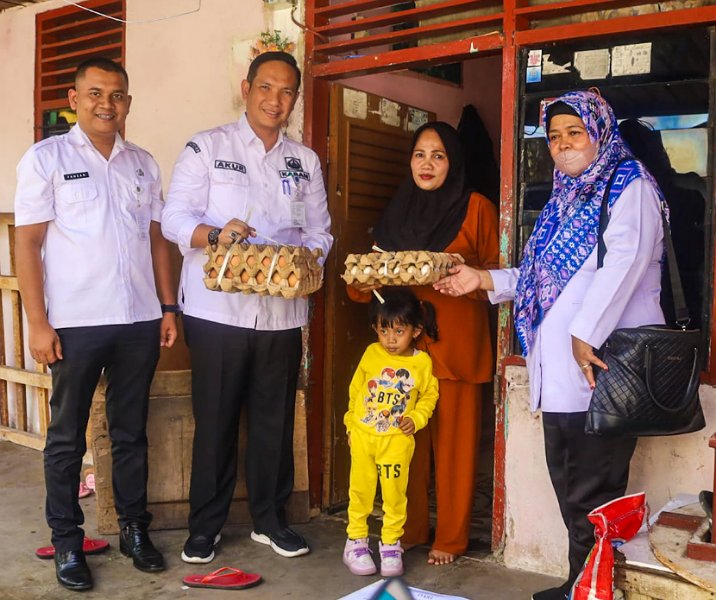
(349,439)
(407,426)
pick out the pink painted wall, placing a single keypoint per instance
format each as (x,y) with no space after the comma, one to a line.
(481,87)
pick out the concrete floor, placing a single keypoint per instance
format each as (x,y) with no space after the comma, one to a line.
(319,575)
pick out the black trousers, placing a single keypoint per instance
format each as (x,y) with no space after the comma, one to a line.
(128,354)
(586,471)
(235,367)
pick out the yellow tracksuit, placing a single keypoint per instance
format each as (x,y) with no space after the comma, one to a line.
(384,390)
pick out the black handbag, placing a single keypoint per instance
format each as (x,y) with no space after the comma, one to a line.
(652,385)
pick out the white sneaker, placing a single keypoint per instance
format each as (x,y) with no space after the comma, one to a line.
(357,557)
(391,559)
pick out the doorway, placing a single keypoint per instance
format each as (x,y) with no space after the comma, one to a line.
(370,132)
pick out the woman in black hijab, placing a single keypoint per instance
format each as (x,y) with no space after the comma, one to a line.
(435,209)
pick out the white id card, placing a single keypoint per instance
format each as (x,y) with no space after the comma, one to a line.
(298,213)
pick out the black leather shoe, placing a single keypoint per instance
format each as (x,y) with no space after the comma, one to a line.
(134,541)
(72,570)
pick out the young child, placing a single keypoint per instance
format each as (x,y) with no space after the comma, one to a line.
(392,395)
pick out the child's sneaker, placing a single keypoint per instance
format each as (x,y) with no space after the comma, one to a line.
(357,557)
(391,559)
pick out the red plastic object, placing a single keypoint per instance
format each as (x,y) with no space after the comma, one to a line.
(617,520)
(89,546)
(225,578)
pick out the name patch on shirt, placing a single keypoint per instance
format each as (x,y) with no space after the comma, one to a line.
(194,146)
(295,175)
(231,166)
(72,176)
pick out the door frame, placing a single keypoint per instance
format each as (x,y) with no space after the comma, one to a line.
(518,31)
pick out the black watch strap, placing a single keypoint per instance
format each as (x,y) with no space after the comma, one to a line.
(170,308)
(213,236)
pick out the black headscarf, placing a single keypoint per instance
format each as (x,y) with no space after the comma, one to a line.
(420,220)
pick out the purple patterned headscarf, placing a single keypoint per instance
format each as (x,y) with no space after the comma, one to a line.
(568,227)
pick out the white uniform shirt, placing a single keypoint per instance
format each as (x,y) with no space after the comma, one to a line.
(97,254)
(226,173)
(623,293)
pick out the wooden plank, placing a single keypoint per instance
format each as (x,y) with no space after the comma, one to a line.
(573,7)
(412,15)
(171,383)
(4,408)
(66,27)
(22,438)
(83,38)
(410,57)
(406,35)
(662,20)
(353,7)
(19,354)
(8,283)
(86,53)
(24,377)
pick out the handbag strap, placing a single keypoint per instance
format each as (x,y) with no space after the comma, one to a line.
(677,291)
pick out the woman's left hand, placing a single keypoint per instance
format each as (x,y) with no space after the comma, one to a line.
(584,355)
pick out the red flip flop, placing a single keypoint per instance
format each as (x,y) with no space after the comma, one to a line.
(89,546)
(224,578)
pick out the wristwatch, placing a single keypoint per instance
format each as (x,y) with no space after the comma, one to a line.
(214,236)
(170,308)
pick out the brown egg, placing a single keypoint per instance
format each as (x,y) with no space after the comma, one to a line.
(282,261)
(213,273)
(251,260)
(260,277)
(235,260)
(266,261)
(228,274)
(292,280)
(244,276)
(276,278)
(219,259)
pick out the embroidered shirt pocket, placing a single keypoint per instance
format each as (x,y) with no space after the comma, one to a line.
(229,192)
(76,202)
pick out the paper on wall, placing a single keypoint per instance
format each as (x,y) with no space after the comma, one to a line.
(592,64)
(632,59)
(355,104)
(389,112)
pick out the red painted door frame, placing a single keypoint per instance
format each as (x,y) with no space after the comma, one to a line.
(516,33)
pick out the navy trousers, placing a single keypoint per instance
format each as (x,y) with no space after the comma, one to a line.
(235,368)
(586,471)
(128,354)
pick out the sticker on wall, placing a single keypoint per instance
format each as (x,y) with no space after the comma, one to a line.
(355,104)
(632,59)
(416,118)
(389,112)
(534,66)
(552,68)
(592,64)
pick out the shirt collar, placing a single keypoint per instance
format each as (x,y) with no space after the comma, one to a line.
(78,137)
(249,137)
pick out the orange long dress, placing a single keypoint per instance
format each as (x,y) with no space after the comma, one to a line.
(462,361)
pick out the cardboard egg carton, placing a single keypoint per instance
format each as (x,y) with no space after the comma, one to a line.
(286,271)
(405,267)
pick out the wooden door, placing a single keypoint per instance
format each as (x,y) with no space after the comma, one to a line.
(369,152)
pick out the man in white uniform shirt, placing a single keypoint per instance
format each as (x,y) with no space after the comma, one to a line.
(245,179)
(89,247)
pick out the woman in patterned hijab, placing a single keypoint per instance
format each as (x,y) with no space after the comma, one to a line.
(565,306)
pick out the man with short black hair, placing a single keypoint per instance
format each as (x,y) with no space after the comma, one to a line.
(245,180)
(91,261)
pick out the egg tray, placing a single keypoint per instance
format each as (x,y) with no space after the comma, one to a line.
(286,271)
(405,267)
